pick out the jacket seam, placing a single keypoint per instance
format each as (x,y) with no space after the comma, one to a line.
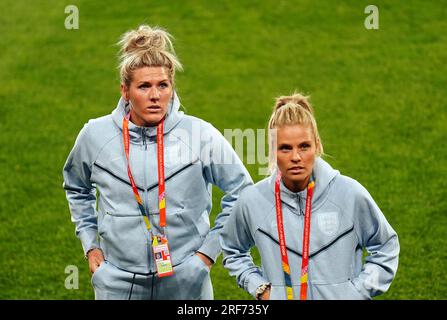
(104,145)
(186,144)
(359,240)
(272,212)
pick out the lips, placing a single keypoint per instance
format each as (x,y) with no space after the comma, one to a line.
(153,108)
(296,169)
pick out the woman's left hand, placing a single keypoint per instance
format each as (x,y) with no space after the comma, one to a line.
(205,259)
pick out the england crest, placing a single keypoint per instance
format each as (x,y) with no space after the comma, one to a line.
(328,222)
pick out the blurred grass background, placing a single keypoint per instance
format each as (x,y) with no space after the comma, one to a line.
(379,96)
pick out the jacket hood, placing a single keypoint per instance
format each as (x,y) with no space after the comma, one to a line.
(172,118)
(323,174)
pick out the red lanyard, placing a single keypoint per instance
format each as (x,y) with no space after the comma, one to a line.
(282,239)
(161,168)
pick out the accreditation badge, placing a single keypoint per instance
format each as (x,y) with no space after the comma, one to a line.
(162,257)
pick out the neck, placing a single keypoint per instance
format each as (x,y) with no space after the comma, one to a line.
(296,186)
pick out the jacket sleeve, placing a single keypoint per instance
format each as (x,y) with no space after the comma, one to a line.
(80,192)
(236,241)
(223,168)
(382,244)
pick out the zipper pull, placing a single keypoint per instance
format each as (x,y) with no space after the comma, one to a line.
(143,134)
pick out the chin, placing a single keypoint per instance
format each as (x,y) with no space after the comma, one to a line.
(153,119)
(297,177)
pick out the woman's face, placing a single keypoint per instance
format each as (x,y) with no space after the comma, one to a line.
(149,94)
(296,148)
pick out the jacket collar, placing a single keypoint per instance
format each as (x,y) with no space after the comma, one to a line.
(172,118)
(323,174)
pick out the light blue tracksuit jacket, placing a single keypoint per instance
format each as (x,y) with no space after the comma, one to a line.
(345,219)
(102,202)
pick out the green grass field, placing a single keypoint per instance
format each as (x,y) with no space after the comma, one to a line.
(379,95)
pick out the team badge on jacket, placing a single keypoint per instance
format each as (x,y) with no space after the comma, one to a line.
(328,222)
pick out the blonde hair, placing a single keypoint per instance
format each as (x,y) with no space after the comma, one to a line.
(291,110)
(146,47)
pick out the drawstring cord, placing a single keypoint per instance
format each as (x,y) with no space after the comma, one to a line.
(133,282)
(152,287)
(131,288)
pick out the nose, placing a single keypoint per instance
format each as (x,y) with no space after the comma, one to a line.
(296,157)
(154,94)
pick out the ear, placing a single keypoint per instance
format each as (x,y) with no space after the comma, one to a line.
(318,147)
(124,92)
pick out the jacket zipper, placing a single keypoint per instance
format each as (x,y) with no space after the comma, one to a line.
(146,193)
(298,198)
(143,135)
(146,196)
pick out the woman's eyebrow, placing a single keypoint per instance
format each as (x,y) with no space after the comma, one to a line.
(148,82)
(284,145)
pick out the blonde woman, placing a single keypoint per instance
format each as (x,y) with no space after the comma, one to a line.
(138,183)
(309,222)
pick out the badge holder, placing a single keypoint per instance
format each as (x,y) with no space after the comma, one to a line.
(162,256)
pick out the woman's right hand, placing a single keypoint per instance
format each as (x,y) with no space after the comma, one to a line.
(95,258)
(265,295)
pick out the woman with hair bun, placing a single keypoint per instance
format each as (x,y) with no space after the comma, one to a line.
(138,183)
(309,222)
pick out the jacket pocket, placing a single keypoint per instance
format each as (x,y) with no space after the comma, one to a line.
(188,282)
(183,235)
(125,241)
(334,263)
(338,291)
(277,293)
(97,272)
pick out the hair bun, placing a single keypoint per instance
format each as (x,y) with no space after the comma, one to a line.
(295,99)
(146,38)
(146,47)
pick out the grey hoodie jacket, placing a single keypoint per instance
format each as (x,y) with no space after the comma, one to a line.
(102,203)
(345,219)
